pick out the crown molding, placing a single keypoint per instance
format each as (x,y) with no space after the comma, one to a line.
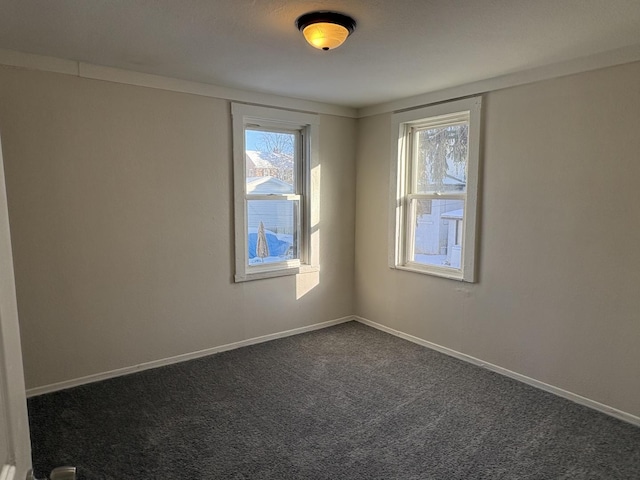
(109,74)
(11,58)
(579,65)
(596,61)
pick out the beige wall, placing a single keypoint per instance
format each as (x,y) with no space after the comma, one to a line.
(120,202)
(558,296)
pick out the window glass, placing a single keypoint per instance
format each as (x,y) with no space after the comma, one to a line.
(272,230)
(441,158)
(270,155)
(436,236)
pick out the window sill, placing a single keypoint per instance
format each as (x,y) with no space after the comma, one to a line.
(280,272)
(433,271)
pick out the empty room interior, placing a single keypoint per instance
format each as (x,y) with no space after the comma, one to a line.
(241,254)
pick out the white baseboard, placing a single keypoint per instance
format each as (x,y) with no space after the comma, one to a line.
(614,412)
(54,387)
(627,417)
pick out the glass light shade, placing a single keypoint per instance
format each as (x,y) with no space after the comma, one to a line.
(325,36)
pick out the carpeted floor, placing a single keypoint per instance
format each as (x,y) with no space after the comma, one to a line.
(347,402)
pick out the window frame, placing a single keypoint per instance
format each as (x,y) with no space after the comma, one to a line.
(252,117)
(403,195)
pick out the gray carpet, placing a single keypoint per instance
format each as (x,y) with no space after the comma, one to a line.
(347,402)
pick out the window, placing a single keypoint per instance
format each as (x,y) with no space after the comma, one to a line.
(273,151)
(434,189)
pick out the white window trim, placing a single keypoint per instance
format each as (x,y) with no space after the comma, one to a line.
(398,189)
(243,115)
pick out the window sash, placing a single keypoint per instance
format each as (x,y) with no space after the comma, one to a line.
(305,127)
(447,120)
(301,187)
(410,221)
(296,200)
(298,151)
(274,196)
(404,182)
(299,162)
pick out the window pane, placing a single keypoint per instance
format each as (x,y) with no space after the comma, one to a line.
(270,163)
(438,232)
(441,159)
(273,227)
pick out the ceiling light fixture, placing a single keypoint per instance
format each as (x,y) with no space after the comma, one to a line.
(325,30)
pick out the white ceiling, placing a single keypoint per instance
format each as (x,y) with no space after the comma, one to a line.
(400,48)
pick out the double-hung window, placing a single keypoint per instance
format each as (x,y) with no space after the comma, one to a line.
(273,151)
(434,187)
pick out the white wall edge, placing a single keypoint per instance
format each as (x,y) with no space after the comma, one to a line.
(8,472)
(97,377)
(30,61)
(614,412)
(98,72)
(583,64)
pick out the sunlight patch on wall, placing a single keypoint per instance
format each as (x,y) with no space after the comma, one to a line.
(308,281)
(305,282)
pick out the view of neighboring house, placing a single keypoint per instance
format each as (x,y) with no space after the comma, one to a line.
(276,215)
(438,238)
(438,235)
(265,185)
(271,173)
(257,166)
(270,164)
